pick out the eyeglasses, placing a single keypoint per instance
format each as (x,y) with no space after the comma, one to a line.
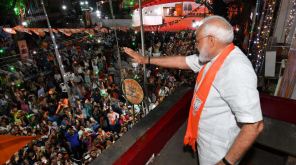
(197,41)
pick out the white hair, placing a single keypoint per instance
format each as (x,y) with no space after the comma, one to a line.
(224,34)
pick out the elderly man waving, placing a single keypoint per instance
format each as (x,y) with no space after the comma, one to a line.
(225,115)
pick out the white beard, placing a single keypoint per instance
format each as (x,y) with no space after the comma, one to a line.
(203,54)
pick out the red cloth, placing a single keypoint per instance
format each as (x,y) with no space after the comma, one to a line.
(87,96)
(121,121)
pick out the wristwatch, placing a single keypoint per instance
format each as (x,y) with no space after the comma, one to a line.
(226,162)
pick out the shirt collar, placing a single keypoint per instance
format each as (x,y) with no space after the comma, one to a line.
(212,60)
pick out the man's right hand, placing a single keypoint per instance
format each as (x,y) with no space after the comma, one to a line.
(136,57)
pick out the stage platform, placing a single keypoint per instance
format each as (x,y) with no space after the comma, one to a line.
(175,153)
(161,132)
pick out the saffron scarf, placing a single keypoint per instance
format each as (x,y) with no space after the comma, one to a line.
(102,134)
(43,102)
(200,96)
(112,119)
(67,122)
(81,90)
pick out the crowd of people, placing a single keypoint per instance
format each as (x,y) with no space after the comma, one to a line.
(81,117)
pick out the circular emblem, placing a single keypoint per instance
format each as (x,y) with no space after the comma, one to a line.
(133,91)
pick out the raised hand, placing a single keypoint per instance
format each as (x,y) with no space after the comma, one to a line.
(136,57)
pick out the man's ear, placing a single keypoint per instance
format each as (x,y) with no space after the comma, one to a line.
(212,41)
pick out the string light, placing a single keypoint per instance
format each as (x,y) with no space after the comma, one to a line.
(290,22)
(260,42)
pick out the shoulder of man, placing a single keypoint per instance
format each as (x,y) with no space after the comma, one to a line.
(236,58)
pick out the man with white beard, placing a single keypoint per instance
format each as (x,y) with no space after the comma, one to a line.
(225,116)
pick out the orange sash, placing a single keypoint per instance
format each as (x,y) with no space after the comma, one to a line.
(151,80)
(110,79)
(112,119)
(79,111)
(81,90)
(21,93)
(102,134)
(102,85)
(200,96)
(102,122)
(43,102)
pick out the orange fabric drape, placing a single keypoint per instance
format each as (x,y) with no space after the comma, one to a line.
(11,144)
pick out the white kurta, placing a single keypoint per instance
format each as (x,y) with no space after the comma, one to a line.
(233,99)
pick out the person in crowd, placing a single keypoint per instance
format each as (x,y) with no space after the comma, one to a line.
(73,138)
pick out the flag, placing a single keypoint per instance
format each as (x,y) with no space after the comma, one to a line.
(24,51)
(104,30)
(9,30)
(78,30)
(38,31)
(97,28)
(87,18)
(19,28)
(11,144)
(55,31)
(73,31)
(27,30)
(41,32)
(46,30)
(44,45)
(64,32)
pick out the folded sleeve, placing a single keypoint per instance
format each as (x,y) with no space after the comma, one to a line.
(239,89)
(194,63)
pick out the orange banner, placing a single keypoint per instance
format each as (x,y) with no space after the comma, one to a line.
(9,30)
(91,31)
(87,18)
(73,31)
(24,50)
(68,32)
(27,30)
(78,30)
(38,31)
(124,29)
(46,30)
(41,32)
(97,28)
(86,31)
(55,31)
(64,31)
(19,28)
(104,30)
